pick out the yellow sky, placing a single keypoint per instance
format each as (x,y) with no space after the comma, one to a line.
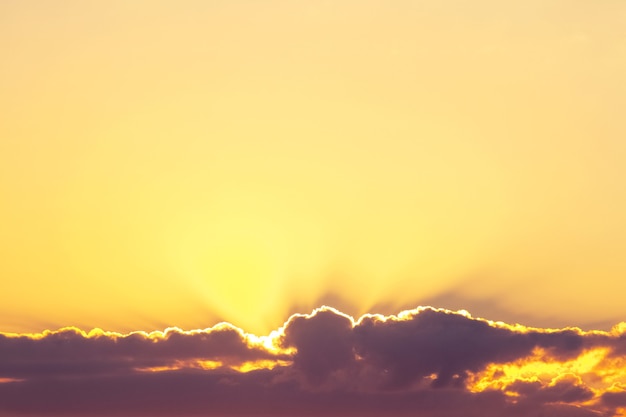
(177,164)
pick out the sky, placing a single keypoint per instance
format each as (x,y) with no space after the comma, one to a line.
(184,186)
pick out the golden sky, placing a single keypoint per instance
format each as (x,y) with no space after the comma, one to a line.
(178,164)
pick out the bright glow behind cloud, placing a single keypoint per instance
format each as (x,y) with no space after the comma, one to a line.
(177,165)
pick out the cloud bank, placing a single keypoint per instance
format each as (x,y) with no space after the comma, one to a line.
(426,361)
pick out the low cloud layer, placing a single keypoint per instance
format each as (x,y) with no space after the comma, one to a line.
(426,361)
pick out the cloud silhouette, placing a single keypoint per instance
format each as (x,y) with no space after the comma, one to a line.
(447,345)
(427,361)
(70,351)
(323,342)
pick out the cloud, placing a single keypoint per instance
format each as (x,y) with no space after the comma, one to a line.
(70,351)
(323,342)
(614,399)
(563,391)
(429,361)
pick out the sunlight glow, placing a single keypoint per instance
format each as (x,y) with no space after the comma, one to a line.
(594,368)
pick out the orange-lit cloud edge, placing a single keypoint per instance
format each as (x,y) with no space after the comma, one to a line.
(425,359)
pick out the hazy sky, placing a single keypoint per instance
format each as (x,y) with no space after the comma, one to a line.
(180,163)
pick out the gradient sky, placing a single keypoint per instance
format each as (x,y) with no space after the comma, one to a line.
(189,163)
(180,164)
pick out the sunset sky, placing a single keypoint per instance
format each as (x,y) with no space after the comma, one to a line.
(184,164)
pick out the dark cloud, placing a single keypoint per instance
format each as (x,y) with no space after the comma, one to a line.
(432,343)
(323,343)
(227,393)
(563,391)
(71,352)
(422,362)
(448,345)
(614,399)
(618,345)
